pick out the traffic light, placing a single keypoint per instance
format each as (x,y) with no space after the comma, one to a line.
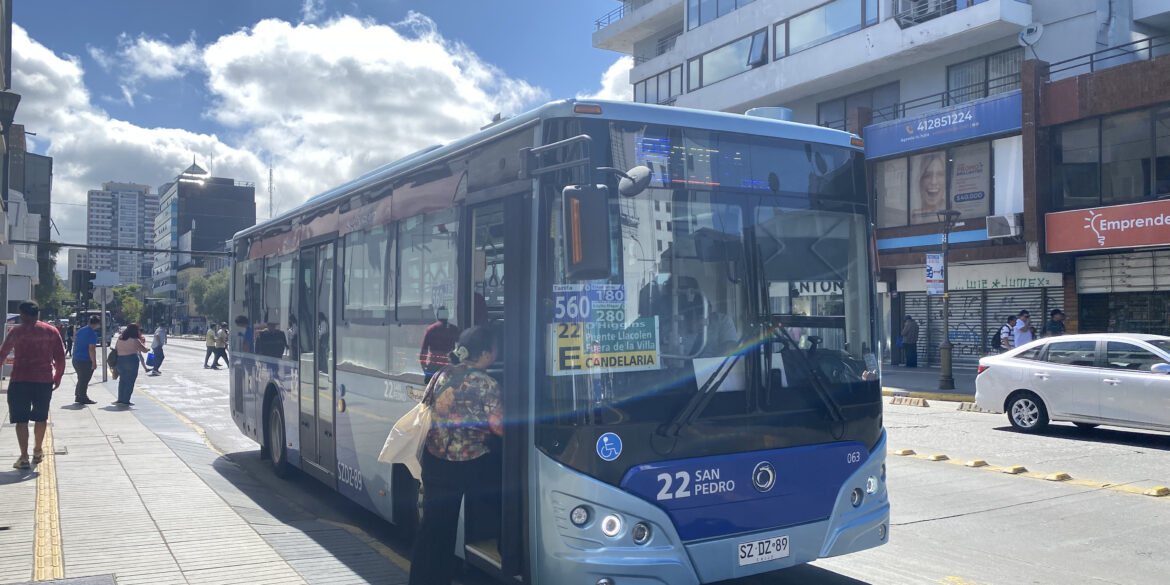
(86,287)
(76,278)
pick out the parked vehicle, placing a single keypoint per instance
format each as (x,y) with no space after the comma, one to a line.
(1096,379)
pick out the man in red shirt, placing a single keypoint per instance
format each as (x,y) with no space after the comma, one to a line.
(36,372)
(438,341)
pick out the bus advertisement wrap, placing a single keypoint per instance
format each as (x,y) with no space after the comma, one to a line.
(589,332)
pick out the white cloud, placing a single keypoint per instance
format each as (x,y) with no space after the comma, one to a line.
(615,82)
(324,103)
(311,10)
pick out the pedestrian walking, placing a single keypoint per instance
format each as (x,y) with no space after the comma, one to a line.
(210,340)
(1055,326)
(68,339)
(1023,332)
(466,412)
(130,346)
(37,369)
(910,341)
(221,342)
(1005,338)
(156,346)
(85,359)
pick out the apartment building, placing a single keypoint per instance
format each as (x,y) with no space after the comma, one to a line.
(937,89)
(121,215)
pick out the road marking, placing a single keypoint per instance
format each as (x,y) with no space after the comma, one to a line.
(1021,471)
(195,427)
(49,562)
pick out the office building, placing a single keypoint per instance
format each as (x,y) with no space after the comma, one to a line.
(945,89)
(121,215)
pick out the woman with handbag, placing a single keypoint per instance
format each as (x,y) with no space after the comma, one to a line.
(129,346)
(466,413)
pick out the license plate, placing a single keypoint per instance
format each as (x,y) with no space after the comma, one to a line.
(760,551)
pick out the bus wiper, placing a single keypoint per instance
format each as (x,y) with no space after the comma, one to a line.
(699,401)
(815,377)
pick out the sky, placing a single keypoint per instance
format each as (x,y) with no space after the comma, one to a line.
(321,91)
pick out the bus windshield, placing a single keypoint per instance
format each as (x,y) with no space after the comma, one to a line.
(742,272)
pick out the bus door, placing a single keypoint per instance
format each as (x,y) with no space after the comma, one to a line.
(496,294)
(315,339)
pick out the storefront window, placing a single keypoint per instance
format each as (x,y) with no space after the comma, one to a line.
(1075,171)
(890,187)
(1125,158)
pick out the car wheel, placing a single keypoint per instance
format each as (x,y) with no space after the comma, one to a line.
(1085,425)
(1027,412)
(277,450)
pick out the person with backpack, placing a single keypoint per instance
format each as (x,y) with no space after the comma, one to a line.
(1004,338)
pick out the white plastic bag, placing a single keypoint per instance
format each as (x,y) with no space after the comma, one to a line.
(405,442)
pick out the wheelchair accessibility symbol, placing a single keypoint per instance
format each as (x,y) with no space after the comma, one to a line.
(609,446)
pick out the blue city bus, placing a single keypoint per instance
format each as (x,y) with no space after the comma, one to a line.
(688,361)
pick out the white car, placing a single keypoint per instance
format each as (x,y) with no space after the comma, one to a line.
(1114,379)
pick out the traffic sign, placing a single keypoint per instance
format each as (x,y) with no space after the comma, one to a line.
(105,278)
(103,294)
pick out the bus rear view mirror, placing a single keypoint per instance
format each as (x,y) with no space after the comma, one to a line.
(586,242)
(635,181)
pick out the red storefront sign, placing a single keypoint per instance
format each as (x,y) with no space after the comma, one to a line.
(1116,226)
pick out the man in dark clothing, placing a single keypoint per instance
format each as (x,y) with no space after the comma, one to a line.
(1055,324)
(438,341)
(910,341)
(37,369)
(85,359)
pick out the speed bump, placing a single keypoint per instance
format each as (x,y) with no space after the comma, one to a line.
(1015,469)
(976,463)
(938,457)
(908,401)
(904,452)
(1058,476)
(1158,491)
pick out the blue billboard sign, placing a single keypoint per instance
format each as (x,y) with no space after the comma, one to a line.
(986,117)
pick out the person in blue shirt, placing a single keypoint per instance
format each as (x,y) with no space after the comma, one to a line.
(85,358)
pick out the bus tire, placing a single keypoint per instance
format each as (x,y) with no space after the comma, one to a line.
(1026,412)
(274,439)
(407,492)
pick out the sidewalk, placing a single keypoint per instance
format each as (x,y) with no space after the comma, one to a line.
(140,497)
(925,379)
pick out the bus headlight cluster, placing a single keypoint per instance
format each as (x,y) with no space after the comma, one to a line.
(871,485)
(611,525)
(579,516)
(856,497)
(641,533)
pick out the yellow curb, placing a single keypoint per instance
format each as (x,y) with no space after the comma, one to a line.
(976,463)
(904,452)
(1157,491)
(939,396)
(938,457)
(1058,476)
(1015,469)
(49,562)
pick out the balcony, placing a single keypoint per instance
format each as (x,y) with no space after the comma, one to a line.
(1155,13)
(915,12)
(635,21)
(883,48)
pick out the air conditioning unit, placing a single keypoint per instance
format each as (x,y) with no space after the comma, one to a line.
(1004,226)
(912,12)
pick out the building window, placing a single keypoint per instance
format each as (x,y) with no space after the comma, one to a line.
(882,101)
(1126,152)
(731,59)
(700,12)
(1162,151)
(661,88)
(985,76)
(827,22)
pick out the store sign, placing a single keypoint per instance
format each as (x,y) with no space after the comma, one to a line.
(986,117)
(808,288)
(934,274)
(1117,226)
(993,276)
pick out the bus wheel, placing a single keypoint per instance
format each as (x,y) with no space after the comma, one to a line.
(277,450)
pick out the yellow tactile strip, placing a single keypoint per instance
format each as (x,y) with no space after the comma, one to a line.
(49,562)
(1020,470)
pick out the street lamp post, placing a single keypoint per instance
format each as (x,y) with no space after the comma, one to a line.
(946,380)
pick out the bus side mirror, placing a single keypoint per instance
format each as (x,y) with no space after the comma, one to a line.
(586,244)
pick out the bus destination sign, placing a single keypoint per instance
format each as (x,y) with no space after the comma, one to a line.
(590,332)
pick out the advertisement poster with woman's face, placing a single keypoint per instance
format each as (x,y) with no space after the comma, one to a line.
(928,186)
(970,180)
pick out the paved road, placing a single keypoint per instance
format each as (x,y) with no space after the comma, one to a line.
(951,524)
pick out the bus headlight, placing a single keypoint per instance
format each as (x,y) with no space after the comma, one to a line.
(856,497)
(611,525)
(641,533)
(871,485)
(579,516)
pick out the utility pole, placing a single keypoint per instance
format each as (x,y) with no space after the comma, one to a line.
(946,380)
(270,191)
